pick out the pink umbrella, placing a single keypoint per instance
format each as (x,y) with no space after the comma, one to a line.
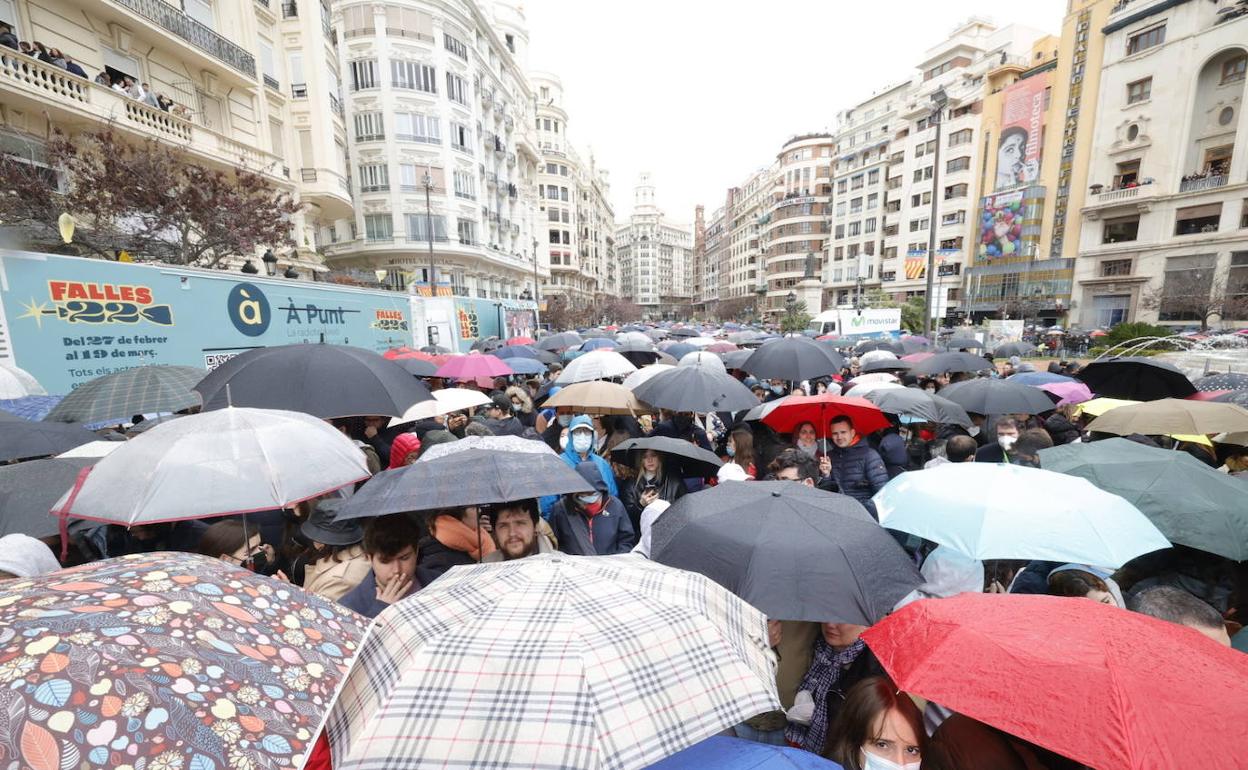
(914,358)
(521,341)
(1207,395)
(721,347)
(472,366)
(1068,392)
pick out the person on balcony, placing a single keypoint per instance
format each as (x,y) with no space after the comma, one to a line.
(74,67)
(7,38)
(55,58)
(104,79)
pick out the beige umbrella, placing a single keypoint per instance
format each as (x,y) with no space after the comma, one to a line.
(1170,416)
(598,397)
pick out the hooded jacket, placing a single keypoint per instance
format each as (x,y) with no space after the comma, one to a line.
(1061,429)
(573,459)
(859,472)
(607,532)
(524,413)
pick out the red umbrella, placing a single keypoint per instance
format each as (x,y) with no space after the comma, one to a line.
(472,366)
(820,410)
(1098,333)
(1112,689)
(521,341)
(914,358)
(1207,395)
(720,347)
(403,353)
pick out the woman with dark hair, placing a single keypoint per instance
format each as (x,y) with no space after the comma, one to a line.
(878,728)
(336,562)
(1079,581)
(806,440)
(840,660)
(651,482)
(740,450)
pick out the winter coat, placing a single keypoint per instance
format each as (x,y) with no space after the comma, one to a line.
(991,453)
(612,529)
(1061,429)
(570,457)
(859,472)
(363,598)
(892,450)
(693,433)
(9,40)
(455,543)
(524,412)
(333,576)
(508,426)
(669,486)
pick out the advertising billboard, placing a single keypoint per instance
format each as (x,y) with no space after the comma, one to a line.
(1001,225)
(1022,133)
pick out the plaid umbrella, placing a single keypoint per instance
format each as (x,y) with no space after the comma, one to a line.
(166,660)
(552,661)
(121,395)
(30,407)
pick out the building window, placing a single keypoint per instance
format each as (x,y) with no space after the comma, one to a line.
(920,199)
(1139,91)
(1111,309)
(842,186)
(369,126)
(1149,38)
(873,176)
(1115,267)
(378,227)
(868,225)
(1237,286)
(1187,285)
(856,182)
(1120,229)
(413,127)
(964,136)
(958,164)
(1198,219)
(1128,174)
(1243,216)
(374,177)
(363,74)
(553,235)
(855,228)
(925,148)
(951,244)
(1233,69)
(840,231)
(456,89)
(455,46)
(955,191)
(413,76)
(461,138)
(873,200)
(918,224)
(465,185)
(855,206)
(418,227)
(922,173)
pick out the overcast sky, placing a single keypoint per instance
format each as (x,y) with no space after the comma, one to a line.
(702,92)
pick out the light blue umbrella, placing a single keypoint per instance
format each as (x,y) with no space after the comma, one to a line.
(526,366)
(993,511)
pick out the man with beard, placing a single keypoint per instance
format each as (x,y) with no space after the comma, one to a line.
(517,531)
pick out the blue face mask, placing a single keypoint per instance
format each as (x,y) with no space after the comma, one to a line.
(564,419)
(777,389)
(587,499)
(582,441)
(730,450)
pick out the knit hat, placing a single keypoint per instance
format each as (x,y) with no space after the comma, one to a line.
(402,447)
(25,557)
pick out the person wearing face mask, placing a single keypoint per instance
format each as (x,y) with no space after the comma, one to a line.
(1002,451)
(231,541)
(592,523)
(580,448)
(740,451)
(878,728)
(651,482)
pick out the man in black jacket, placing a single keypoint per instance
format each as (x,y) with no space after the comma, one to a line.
(856,468)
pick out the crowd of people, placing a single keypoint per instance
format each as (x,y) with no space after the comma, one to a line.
(838,701)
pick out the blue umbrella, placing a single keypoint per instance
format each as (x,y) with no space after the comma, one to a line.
(598,343)
(1039,378)
(681,349)
(725,753)
(526,366)
(30,407)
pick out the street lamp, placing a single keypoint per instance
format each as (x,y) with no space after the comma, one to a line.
(270,262)
(939,100)
(427,181)
(249,268)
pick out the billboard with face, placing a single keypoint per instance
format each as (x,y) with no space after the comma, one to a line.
(1022,128)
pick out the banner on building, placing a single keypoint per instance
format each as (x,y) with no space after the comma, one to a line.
(1022,132)
(1001,225)
(916,268)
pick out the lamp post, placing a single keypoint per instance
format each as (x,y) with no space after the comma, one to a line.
(939,100)
(790,307)
(270,262)
(427,180)
(537,291)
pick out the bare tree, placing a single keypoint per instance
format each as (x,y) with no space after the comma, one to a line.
(621,311)
(735,309)
(1192,296)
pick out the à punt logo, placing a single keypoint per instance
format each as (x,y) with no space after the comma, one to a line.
(82,302)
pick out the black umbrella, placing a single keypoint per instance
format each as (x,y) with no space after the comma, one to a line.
(318,379)
(684,332)
(793,359)
(559,341)
(471,477)
(1234,397)
(964,343)
(121,395)
(885,365)
(508,352)
(792,551)
(22,440)
(919,404)
(950,362)
(736,359)
(695,389)
(29,490)
(1009,349)
(639,354)
(914,344)
(1137,378)
(1223,381)
(435,350)
(487,344)
(989,396)
(866,346)
(590,334)
(683,458)
(417,367)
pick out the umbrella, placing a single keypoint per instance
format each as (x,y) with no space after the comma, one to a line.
(232,460)
(861,388)
(1139,378)
(417,367)
(920,405)
(472,366)
(664,358)
(598,397)
(559,341)
(793,359)
(487,344)
(885,365)
(940,363)
(120,395)
(1068,392)
(1099,406)
(656,334)
(487,443)
(595,365)
(1234,397)
(874,356)
(32,408)
(819,411)
(590,334)
(28,490)
(964,343)
(521,341)
(914,343)
(526,366)
(322,380)
(633,337)
(794,552)
(1224,381)
(94,450)
(525,351)
(999,511)
(21,440)
(914,358)
(685,459)
(700,342)
(444,401)
(1039,378)
(18,383)
(684,332)
(866,346)
(736,359)
(1239,438)
(599,343)
(1105,687)
(643,374)
(989,396)
(476,475)
(724,753)
(721,347)
(1169,416)
(704,360)
(1010,349)
(759,411)
(552,661)
(679,350)
(638,353)
(167,660)
(435,350)
(1191,503)
(695,389)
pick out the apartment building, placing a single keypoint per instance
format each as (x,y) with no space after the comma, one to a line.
(655,256)
(795,224)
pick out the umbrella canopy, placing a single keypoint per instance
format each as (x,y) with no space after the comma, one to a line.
(21,440)
(472,366)
(95,449)
(915,343)
(1169,416)
(1104,686)
(867,346)
(700,342)
(521,341)
(964,343)
(633,337)
(705,360)
(941,363)
(893,364)
(552,661)
(487,344)
(873,356)
(168,660)
(695,389)
(919,405)
(525,351)
(989,396)
(444,401)
(596,365)
(721,347)
(598,397)
(1009,349)
(998,511)
(793,359)
(644,374)
(120,395)
(1099,406)
(679,350)
(30,407)
(233,460)
(435,350)
(1223,381)
(470,476)
(819,411)
(526,366)
(321,380)
(28,490)
(417,367)
(1068,392)
(685,459)
(1038,378)
(559,341)
(599,343)
(18,383)
(1136,377)
(1191,503)
(684,331)
(736,359)
(724,753)
(1234,397)
(487,443)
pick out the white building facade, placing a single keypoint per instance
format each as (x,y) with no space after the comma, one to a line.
(795,228)
(655,257)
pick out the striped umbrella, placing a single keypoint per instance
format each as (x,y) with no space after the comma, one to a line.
(121,395)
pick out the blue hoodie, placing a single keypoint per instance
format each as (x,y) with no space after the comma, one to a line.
(573,459)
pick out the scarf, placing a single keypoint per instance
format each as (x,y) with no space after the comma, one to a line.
(827,666)
(453,533)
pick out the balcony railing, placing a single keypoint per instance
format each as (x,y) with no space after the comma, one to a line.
(1203,183)
(271,82)
(199,35)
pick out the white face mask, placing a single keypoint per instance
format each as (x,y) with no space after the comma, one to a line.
(582,441)
(876,762)
(1006,442)
(973,430)
(563,441)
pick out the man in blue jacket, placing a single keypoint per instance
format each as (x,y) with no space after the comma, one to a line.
(582,439)
(855,467)
(390,542)
(593,523)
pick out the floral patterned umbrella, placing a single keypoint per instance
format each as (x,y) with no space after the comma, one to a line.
(166,662)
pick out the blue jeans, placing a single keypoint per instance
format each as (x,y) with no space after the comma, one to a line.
(771,737)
